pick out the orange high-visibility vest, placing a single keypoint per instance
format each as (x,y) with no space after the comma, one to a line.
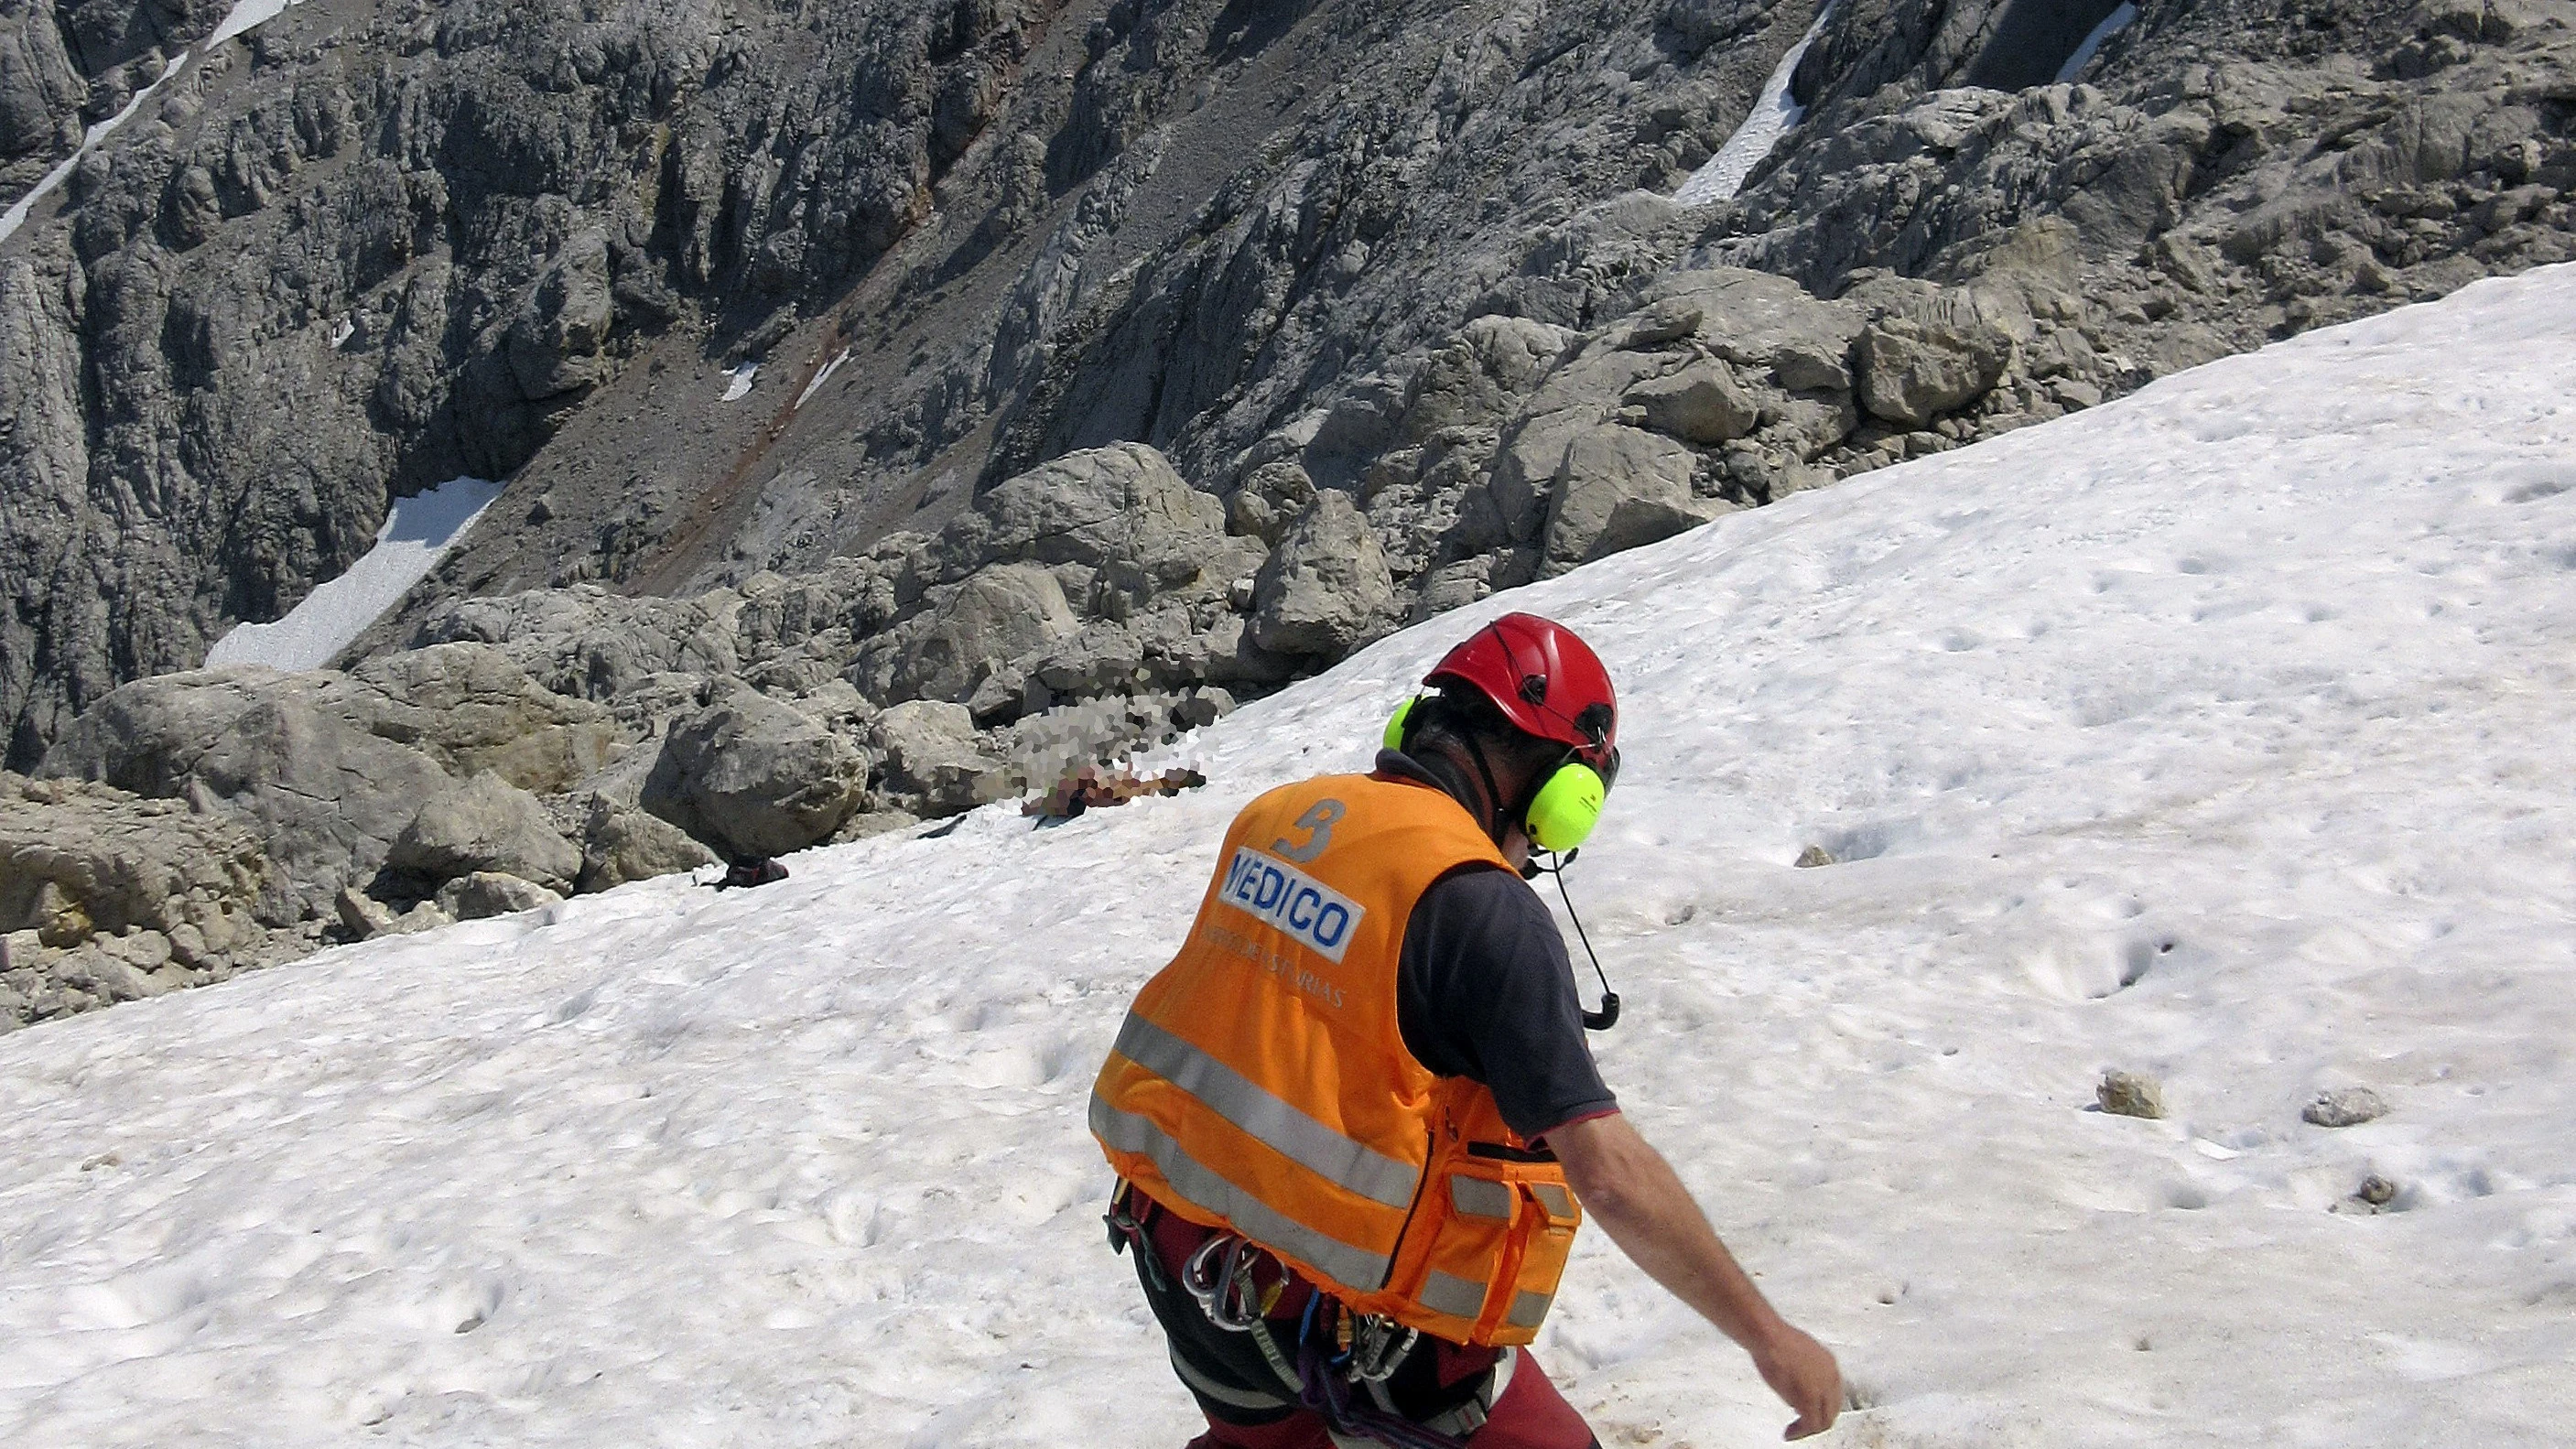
(1261,1084)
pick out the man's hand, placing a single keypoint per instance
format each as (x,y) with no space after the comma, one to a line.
(1803,1373)
(1627,1184)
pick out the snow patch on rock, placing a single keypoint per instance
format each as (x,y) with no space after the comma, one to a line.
(2112,24)
(417,533)
(1774,115)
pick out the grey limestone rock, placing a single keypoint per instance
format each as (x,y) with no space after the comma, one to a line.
(2130,1094)
(485,824)
(325,797)
(2344,1107)
(362,916)
(1270,498)
(998,614)
(106,897)
(1478,379)
(482,895)
(749,776)
(554,342)
(1326,588)
(1699,404)
(1911,373)
(1620,488)
(1119,507)
(41,92)
(621,845)
(934,758)
(471,708)
(116,861)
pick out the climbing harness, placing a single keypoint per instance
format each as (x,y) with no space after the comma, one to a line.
(1337,1366)
(1340,1356)
(1126,1229)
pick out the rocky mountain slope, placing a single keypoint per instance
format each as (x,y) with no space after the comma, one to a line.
(939,393)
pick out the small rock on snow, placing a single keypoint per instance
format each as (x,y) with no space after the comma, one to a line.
(2131,1094)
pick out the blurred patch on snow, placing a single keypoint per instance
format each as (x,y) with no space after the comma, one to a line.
(418,532)
(738,382)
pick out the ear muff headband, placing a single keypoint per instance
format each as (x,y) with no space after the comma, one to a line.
(1566,808)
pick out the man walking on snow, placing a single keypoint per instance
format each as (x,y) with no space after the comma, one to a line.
(1355,1120)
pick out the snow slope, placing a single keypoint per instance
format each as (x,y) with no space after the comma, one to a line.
(91,139)
(418,531)
(1775,114)
(2252,691)
(244,16)
(2112,24)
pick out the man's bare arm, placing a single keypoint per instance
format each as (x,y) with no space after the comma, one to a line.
(1641,1203)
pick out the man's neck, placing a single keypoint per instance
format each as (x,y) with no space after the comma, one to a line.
(1457,774)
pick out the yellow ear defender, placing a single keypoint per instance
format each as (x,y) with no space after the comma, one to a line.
(1566,808)
(1563,812)
(1394,737)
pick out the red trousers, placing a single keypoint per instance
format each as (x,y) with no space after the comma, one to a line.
(1247,1406)
(1529,1415)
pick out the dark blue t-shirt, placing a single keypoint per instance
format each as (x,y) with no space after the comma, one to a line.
(1484,990)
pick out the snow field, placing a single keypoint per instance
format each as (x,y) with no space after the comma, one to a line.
(1774,115)
(2219,733)
(417,532)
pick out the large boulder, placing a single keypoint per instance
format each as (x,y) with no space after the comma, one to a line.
(1116,507)
(935,763)
(1002,612)
(325,797)
(78,859)
(485,894)
(1268,500)
(622,845)
(472,708)
(1702,403)
(752,777)
(1479,378)
(587,643)
(554,342)
(1756,320)
(1327,588)
(1912,371)
(1620,488)
(485,824)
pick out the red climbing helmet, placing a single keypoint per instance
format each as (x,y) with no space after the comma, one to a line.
(1545,680)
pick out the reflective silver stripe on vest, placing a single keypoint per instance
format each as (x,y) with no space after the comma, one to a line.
(1291,1133)
(1455,1296)
(1558,1202)
(1529,1310)
(1351,1266)
(1477,1198)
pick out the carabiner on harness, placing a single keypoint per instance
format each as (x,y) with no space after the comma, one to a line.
(1378,1347)
(1220,1276)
